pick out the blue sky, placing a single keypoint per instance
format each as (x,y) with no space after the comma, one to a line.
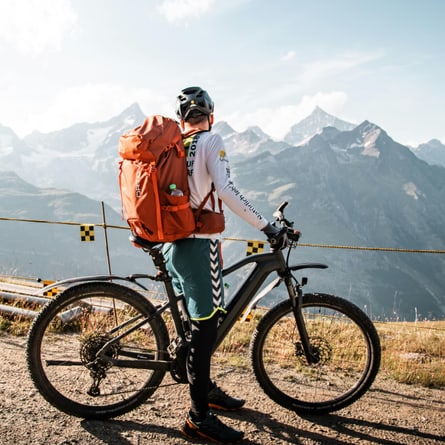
(264,63)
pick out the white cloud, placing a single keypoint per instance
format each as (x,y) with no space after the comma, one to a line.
(329,67)
(91,103)
(99,102)
(32,26)
(182,10)
(288,56)
(276,121)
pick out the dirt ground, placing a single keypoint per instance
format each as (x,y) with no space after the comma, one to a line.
(389,414)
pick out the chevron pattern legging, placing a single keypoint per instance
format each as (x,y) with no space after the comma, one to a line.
(198,364)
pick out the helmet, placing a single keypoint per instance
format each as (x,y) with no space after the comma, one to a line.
(193,101)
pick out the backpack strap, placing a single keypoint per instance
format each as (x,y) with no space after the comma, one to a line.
(192,132)
(210,196)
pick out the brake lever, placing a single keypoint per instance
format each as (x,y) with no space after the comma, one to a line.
(288,223)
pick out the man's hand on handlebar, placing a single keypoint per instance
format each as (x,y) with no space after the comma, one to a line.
(277,236)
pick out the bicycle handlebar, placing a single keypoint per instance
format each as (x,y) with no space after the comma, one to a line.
(293,235)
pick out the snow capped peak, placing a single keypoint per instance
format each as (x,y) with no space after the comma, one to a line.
(133,108)
(319,113)
(223,129)
(435,142)
(133,115)
(432,152)
(314,124)
(365,137)
(370,148)
(258,132)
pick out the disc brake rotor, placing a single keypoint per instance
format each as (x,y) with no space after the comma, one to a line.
(320,347)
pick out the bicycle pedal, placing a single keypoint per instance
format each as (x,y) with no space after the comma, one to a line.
(176,347)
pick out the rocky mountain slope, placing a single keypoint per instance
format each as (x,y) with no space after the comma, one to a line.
(432,152)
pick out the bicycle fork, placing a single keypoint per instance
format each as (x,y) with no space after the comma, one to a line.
(296,297)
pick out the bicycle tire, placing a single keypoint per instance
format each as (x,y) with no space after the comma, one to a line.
(66,335)
(340,333)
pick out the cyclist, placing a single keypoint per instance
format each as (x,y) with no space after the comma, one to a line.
(195,265)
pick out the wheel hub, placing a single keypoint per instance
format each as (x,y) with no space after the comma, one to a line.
(320,348)
(90,346)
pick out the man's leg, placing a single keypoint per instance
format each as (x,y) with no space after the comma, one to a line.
(198,364)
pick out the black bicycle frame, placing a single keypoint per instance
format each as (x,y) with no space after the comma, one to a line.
(264,265)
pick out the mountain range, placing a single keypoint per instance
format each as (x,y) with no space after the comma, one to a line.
(432,152)
(346,184)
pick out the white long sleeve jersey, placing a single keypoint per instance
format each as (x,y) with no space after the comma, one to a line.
(207,162)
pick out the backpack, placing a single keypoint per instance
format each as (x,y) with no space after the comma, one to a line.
(153,158)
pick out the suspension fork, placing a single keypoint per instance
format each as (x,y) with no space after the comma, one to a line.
(296,298)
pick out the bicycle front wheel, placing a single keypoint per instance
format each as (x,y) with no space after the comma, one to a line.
(342,338)
(85,350)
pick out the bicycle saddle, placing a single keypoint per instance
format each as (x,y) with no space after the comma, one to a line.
(141,242)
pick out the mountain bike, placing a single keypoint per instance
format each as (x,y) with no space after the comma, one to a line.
(101,348)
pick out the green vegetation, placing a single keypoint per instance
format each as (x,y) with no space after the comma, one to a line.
(414,352)
(15,325)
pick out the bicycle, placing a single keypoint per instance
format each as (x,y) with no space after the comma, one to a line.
(100,349)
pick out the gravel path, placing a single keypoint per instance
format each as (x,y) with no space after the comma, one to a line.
(388,414)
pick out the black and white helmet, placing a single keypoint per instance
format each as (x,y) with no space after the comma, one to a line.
(193,101)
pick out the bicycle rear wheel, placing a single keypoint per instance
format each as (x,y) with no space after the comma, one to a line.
(66,336)
(343,338)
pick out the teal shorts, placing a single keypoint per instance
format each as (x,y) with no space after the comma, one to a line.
(195,267)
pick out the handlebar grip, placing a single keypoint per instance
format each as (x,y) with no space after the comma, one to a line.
(282,206)
(278,214)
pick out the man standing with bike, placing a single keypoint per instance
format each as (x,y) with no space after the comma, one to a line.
(195,265)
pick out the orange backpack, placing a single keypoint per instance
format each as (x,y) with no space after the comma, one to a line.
(153,158)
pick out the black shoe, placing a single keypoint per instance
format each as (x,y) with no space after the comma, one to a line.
(218,399)
(211,428)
